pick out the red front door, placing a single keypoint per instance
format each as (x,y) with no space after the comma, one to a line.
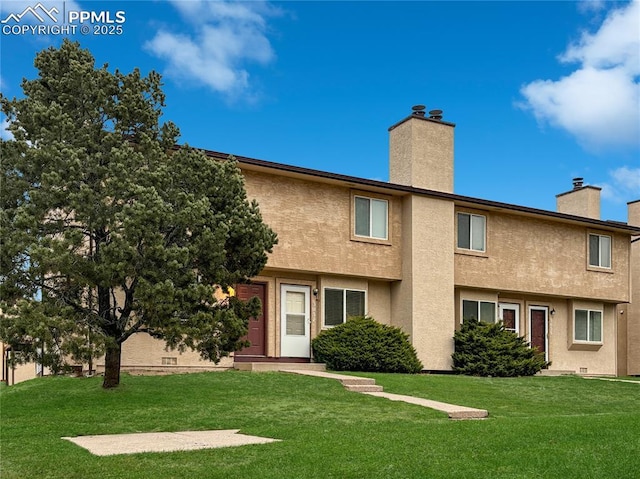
(257,329)
(539,329)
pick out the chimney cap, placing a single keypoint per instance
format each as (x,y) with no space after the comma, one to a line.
(435,114)
(418,110)
(578,182)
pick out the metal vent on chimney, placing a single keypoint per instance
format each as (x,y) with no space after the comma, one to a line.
(418,110)
(577,183)
(435,114)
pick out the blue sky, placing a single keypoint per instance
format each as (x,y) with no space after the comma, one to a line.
(541,92)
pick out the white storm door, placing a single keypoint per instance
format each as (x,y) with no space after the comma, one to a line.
(295,321)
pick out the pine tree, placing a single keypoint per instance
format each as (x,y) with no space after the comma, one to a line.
(107,228)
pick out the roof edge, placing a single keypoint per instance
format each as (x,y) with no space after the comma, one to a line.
(423,118)
(578,189)
(419,191)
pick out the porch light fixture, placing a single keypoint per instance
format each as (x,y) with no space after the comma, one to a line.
(553,311)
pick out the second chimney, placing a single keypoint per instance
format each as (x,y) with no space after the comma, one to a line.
(580,201)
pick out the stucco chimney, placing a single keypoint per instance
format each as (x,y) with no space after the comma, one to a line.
(633,213)
(421,151)
(632,310)
(580,201)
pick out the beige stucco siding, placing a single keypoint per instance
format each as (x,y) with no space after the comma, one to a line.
(629,314)
(314,226)
(144,354)
(423,303)
(379,301)
(402,291)
(531,255)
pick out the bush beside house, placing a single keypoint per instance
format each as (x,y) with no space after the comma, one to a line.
(488,349)
(363,344)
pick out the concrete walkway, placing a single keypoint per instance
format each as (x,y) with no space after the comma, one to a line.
(614,380)
(368,386)
(111,444)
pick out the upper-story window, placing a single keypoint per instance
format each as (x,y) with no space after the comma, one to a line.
(600,251)
(472,231)
(371,217)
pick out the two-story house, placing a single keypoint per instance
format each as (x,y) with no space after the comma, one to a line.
(411,253)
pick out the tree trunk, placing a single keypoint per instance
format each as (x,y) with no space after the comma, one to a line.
(112,365)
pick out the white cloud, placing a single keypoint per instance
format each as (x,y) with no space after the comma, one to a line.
(623,185)
(4,133)
(599,102)
(226,37)
(627,178)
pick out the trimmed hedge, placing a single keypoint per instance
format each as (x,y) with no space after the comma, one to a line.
(487,349)
(363,344)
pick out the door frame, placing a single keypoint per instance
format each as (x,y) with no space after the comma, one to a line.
(546,328)
(284,288)
(265,322)
(516,307)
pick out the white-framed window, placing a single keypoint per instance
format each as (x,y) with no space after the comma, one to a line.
(371,217)
(599,251)
(481,310)
(342,304)
(587,326)
(472,231)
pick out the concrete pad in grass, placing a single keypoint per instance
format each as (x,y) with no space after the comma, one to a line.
(111,444)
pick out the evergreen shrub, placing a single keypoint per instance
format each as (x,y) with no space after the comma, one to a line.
(363,344)
(488,349)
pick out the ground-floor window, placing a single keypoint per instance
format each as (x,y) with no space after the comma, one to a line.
(588,325)
(480,310)
(342,304)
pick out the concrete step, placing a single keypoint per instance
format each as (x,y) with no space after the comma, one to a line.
(467,414)
(353,381)
(363,388)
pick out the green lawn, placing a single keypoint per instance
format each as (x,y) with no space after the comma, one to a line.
(540,427)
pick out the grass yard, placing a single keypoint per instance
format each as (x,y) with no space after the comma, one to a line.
(542,427)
